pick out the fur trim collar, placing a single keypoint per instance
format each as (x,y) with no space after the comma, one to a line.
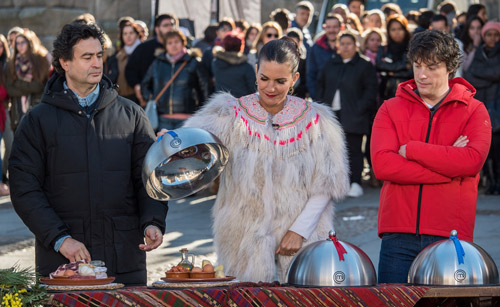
(232,57)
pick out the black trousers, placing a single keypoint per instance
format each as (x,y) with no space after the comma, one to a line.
(354,142)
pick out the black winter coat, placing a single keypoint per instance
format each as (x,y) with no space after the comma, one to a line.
(141,59)
(392,72)
(232,73)
(78,175)
(484,74)
(357,82)
(188,91)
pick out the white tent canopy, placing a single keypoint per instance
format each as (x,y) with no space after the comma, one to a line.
(200,11)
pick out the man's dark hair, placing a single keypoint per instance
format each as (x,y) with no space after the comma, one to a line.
(439,17)
(159,19)
(432,47)
(70,35)
(424,20)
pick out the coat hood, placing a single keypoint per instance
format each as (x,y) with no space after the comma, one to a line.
(231,57)
(460,90)
(55,94)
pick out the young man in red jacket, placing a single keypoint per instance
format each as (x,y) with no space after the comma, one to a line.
(428,145)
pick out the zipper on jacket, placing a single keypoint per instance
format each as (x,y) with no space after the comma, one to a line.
(429,126)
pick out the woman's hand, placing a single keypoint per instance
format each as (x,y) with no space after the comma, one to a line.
(462,141)
(290,244)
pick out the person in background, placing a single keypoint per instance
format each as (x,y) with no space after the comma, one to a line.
(25,76)
(484,74)
(477,9)
(208,40)
(412,17)
(376,19)
(373,39)
(232,73)
(471,39)
(241,25)
(225,26)
(271,30)
(391,59)
(4,101)
(300,87)
(189,89)
(282,17)
(424,21)
(324,49)
(130,37)
(143,30)
(304,11)
(11,37)
(142,57)
(390,9)
(85,18)
(251,35)
(428,145)
(354,24)
(277,209)
(356,6)
(439,23)
(340,9)
(348,84)
(76,167)
(448,9)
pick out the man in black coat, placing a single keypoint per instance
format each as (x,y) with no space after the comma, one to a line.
(142,57)
(76,167)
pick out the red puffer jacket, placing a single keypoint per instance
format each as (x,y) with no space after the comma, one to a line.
(433,190)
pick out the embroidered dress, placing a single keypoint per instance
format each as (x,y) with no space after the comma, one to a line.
(277,163)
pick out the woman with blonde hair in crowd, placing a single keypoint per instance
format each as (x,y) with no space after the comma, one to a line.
(251,35)
(271,30)
(25,75)
(371,41)
(130,38)
(376,19)
(354,24)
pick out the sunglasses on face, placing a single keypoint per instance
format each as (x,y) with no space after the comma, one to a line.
(269,35)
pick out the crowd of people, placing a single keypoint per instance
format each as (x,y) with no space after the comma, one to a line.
(302,99)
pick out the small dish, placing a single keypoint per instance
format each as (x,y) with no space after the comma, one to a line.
(177,274)
(202,275)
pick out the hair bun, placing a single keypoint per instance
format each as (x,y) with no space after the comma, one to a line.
(292,42)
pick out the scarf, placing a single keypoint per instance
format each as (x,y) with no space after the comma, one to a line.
(397,50)
(176,57)
(24,68)
(131,48)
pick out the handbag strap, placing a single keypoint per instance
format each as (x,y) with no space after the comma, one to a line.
(170,81)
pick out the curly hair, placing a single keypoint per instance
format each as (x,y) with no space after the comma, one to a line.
(70,35)
(432,46)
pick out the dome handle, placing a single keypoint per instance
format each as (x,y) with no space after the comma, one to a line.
(458,247)
(338,246)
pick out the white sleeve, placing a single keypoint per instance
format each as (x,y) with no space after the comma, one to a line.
(308,219)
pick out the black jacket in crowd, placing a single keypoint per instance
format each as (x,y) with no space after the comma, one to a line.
(232,73)
(393,70)
(188,91)
(357,82)
(484,74)
(140,60)
(78,175)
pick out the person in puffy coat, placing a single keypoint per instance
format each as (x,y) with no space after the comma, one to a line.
(484,74)
(189,89)
(230,67)
(348,83)
(76,167)
(428,146)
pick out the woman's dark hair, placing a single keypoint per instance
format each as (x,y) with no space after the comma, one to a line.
(281,51)
(403,22)
(70,35)
(464,36)
(432,47)
(281,16)
(474,9)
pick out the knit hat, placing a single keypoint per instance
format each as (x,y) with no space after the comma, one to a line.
(490,25)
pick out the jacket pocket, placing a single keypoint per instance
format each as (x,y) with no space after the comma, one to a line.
(126,239)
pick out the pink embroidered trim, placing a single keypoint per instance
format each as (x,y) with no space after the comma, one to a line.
(253,109)
(281,142)
(294,110)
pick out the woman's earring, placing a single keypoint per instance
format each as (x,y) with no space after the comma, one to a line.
(290,91)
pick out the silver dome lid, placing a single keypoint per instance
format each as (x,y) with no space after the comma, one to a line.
(452,262)
(331,263)
(182,162)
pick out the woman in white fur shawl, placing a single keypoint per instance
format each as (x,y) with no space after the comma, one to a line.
(287,165)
